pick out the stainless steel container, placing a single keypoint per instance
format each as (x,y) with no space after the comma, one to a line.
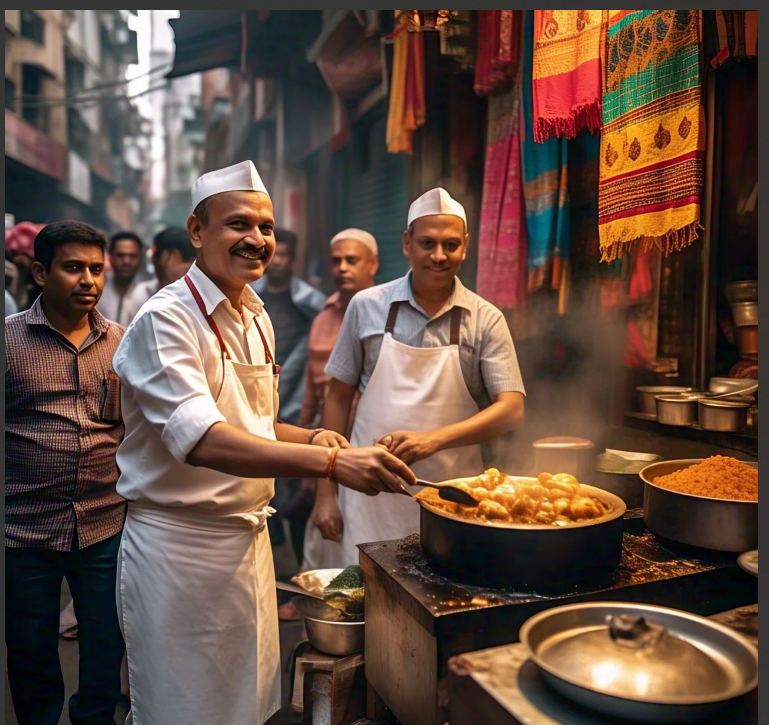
(745,314)
(720,386)
(743,291)
(642,662)
(710,523)
(678,409)
(564,454)
(327,631)
(747,340)
(647,393)
(726,415)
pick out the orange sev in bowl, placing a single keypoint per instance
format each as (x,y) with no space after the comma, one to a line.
(715,477)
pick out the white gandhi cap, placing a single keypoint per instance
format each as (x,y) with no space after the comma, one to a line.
(359,235)
(436,201)
(239,177)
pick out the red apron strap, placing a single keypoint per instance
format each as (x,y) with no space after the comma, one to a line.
(267,353)
(210,320)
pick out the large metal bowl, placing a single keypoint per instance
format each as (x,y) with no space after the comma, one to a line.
(541,557)
(710,523)
(327,630)
(642,684)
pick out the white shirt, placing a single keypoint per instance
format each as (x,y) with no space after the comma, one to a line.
(122,309)
(170,365)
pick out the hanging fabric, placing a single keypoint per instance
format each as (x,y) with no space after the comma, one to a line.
(502,274)
(736,36)
(653,136)
(407,88)
(499,36)
(545,187)
(567,72)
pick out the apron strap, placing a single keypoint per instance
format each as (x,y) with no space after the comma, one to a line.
(456,321)
(391,317)
(210,320)
(212,324)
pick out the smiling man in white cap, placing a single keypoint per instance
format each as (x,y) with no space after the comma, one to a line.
(196,585)
(437,372)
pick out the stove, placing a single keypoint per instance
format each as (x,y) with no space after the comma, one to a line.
(416,618)
(502,686)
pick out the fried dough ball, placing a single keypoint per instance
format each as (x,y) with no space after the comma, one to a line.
(493,510)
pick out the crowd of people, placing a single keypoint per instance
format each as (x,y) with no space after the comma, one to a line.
(162,431)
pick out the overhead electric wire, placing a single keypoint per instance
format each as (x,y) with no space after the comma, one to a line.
(90,101)
(84,96)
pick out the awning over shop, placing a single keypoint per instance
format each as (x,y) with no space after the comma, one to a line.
(207,39)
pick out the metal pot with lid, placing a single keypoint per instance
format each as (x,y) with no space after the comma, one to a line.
(641,662)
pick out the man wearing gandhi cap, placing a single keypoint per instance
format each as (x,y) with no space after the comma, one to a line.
(196,586)
(437,372)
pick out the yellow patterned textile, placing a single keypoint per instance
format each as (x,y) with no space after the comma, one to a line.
(653,136)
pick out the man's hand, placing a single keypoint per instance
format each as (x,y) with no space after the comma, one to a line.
(330,439)
(411,446)
(372,470)
(328,519)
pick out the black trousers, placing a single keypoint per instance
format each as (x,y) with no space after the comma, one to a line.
(33,580)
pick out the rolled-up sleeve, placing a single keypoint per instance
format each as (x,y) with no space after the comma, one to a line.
(160,363)
(499,362)
(346,360)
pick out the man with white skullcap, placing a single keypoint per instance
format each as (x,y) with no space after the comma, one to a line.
(354,264)
(437,374)
(196,585)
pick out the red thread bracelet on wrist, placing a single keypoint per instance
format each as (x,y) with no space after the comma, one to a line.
(331,463)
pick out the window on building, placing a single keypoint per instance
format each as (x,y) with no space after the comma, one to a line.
(10,93)
(33,111)
(78,134)
(74,73)
(32,26)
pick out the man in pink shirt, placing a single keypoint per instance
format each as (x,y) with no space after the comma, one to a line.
(354,263)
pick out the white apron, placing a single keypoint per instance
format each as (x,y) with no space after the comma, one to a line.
(196,591)
(411,388)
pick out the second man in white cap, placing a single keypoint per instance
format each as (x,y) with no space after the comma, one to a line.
(437,374)
(196,585)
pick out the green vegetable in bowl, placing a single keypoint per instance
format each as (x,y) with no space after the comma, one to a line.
(346,591)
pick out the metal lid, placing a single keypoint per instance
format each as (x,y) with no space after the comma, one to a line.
(743,291)
(726,402)
(641,652)
(664,389)
(568,442)
(680,397)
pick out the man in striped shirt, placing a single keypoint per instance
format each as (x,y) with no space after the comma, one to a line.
(63,516)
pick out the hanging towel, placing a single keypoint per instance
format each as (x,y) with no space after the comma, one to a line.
(653,136)
(567,72)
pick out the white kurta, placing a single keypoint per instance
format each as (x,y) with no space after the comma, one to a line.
(412,388)
(196,586)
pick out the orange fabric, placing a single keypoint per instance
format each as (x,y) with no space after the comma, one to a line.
(407,91)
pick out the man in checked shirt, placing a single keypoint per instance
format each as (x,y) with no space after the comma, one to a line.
(63,517)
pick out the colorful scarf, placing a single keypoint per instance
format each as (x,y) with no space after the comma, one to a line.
(567,72)
(736,35)
(544,186)
(653,136)
(499,33)
(502,236)
(407,90)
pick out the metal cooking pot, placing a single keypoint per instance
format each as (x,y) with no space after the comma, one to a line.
(727,415)
(647,393)
(326,628)
(559,454)
(641,662)
(677,409)
(745,313)
(711,523)
(523,556)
